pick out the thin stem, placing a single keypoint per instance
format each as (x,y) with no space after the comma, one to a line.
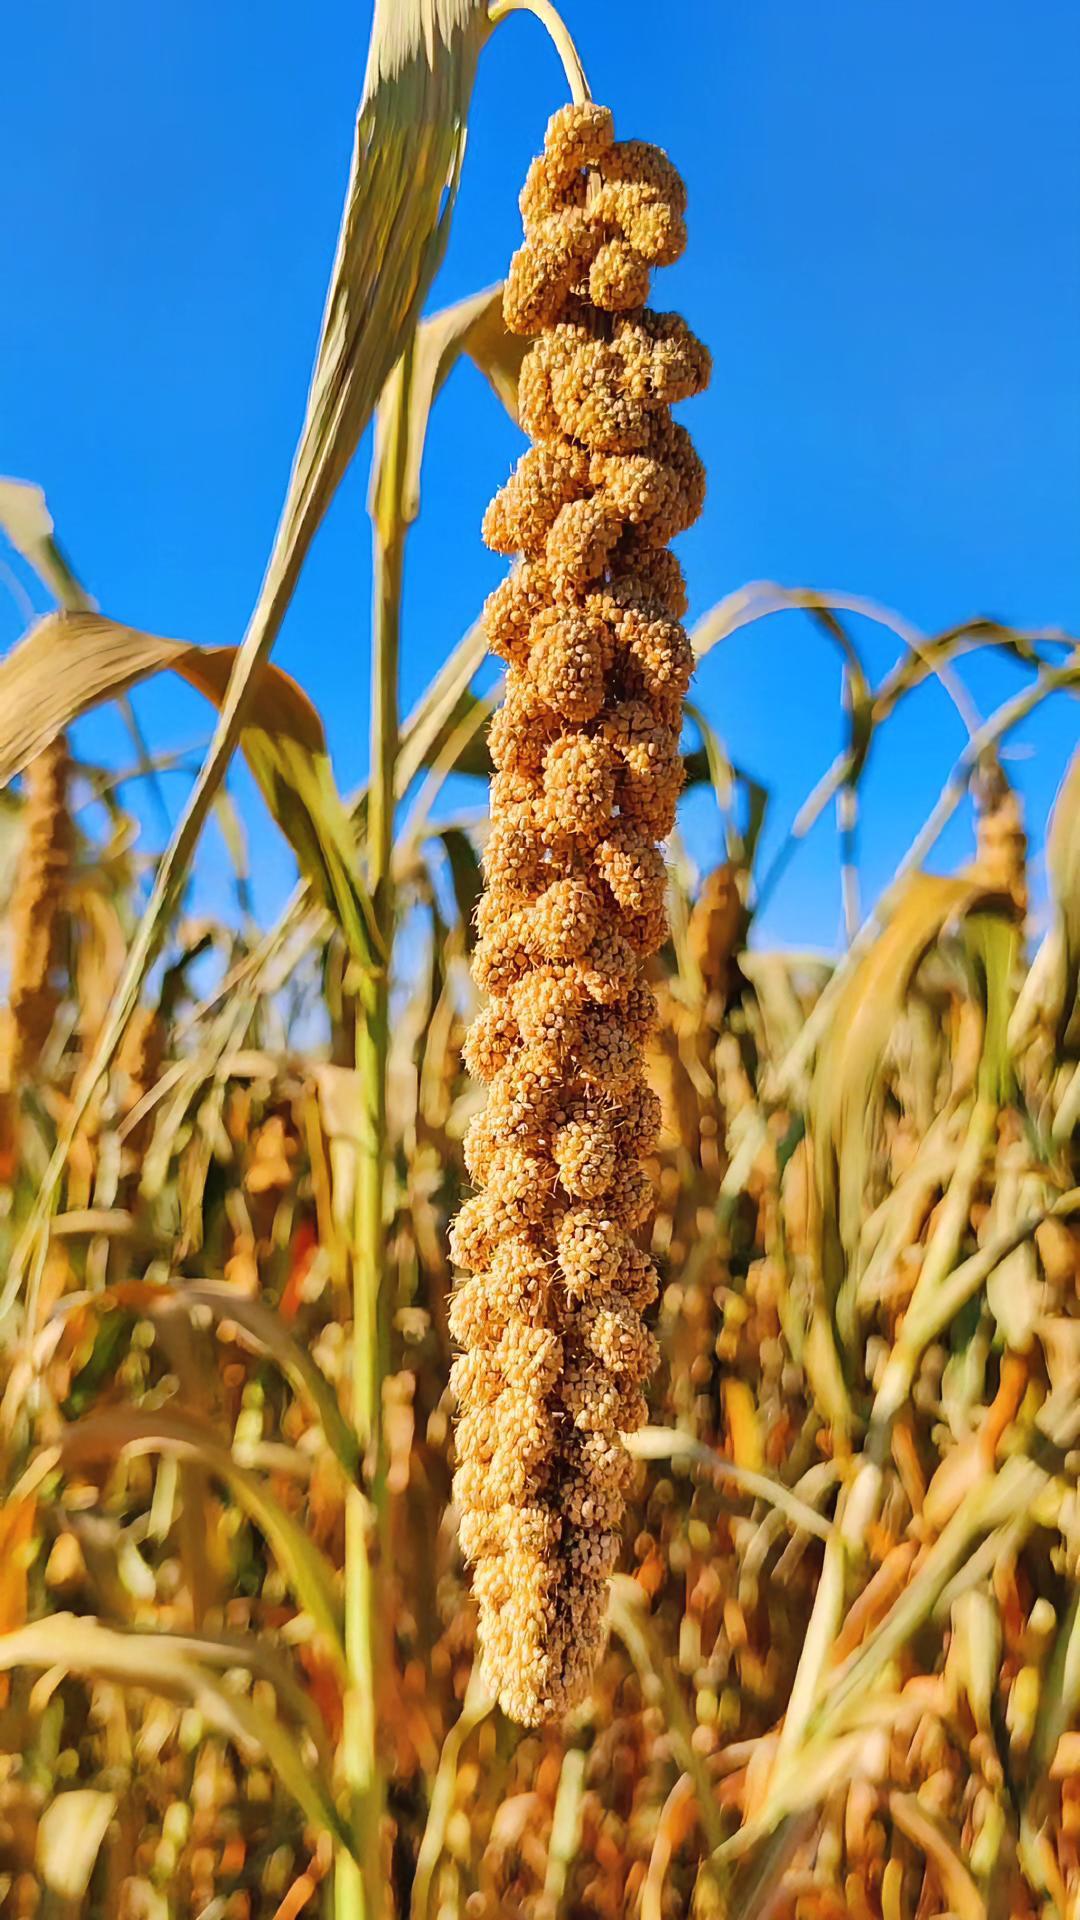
(359,1893)
(476,1706)
(559,36)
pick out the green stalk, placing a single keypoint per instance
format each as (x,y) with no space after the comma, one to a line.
(359,1888)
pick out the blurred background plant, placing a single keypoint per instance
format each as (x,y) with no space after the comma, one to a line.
(235,1637)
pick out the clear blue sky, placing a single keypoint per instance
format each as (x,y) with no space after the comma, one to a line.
(884,259)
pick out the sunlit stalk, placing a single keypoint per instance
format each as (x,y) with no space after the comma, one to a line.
(359,1891)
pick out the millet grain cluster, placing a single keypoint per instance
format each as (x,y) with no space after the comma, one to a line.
(588,772)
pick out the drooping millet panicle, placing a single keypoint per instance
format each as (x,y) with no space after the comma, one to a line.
(35,916)
(588,771)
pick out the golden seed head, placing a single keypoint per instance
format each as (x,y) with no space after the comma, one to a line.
(501,956)
(588,773)
(591,1247)
(639,1117)
(472,1238)
(610,968)
(630,1196)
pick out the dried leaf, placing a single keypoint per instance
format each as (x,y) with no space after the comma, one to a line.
(71,662)
(25,518)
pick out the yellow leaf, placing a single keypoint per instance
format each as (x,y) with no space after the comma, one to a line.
(70,662)
(742,1422)
(16,1533)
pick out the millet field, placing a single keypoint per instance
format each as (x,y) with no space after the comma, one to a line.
(519,1400)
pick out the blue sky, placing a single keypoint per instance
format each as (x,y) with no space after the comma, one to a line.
(884,258)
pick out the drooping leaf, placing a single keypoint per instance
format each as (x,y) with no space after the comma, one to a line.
(25,518)
(259,1322)
(70,662)
(992,947)
(410,139)
(193,1441)
(923,654)
(463,722)
(66,1644)
(474,327)
(710,763)
(445,708)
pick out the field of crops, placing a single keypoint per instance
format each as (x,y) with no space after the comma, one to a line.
(517,1398)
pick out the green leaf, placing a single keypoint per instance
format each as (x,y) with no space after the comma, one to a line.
(300,790)
(111,1341)
(992,946)
(710,764)
(410,139)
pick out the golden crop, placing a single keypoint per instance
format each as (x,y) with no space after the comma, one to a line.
(588,772)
